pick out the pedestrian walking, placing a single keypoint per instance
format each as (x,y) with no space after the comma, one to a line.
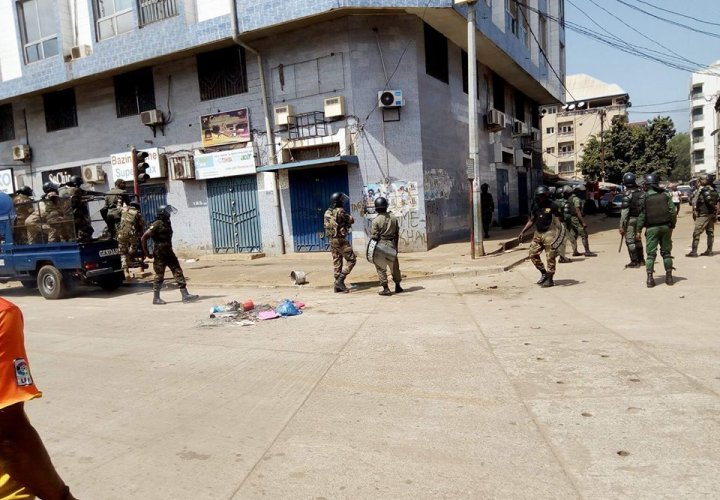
(164,257)
(676,197)
(129,231)
(705,212)
(487,208)
(578,223)
(386,232)
(26,470)
(631,206)
(337,223)
(658,216)
(548,234)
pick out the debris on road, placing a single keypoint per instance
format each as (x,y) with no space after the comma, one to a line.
(248,313)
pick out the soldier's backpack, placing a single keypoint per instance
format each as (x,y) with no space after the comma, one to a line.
(330,223)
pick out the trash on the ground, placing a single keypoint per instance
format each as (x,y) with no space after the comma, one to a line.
(263,315)
(299,277)
(287,308)
(299,304)
(248,305)
(245,322)
(247,313)
(190,261)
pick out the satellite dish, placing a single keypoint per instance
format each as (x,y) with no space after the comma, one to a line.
(581,104)
(565,107)
(571,107)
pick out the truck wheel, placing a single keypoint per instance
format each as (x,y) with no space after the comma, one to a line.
(51,283)
(29,284)
(111,283)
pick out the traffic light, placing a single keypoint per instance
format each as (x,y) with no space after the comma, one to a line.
(141,166)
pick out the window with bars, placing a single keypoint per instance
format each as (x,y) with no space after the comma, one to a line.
(38,29)
(112,17)
(436,55)
(222,73)
(60,110)
(152,11)
(7,123)
(134,92)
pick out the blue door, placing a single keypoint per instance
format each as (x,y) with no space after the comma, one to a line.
(503,193)
(522,193)
(234,217)
(152,196)
(310,192)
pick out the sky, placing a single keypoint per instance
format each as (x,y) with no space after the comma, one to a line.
(647,82)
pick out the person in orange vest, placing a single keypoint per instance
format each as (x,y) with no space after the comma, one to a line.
(25,468)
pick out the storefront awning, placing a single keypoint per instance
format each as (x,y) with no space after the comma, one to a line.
(317,162)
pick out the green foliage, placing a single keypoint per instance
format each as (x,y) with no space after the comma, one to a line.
(638,149)
(680,145)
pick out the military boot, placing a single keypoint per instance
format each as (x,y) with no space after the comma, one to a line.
(543,277)
(709,251)
(398,288)
(641,255)
(385,291)
(693,252)
(650,279)
(549,281)
(340,284)
(157,300)
(564,260)
(669,278)
(187,296)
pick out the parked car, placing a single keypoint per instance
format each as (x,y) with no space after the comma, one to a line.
(685,192)
(607,198)
(615,206)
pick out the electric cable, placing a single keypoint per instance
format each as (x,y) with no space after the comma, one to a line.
(670,21)
(679,14)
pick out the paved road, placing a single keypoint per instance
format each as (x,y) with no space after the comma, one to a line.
(477,387)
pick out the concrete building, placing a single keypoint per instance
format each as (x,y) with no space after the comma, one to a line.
(185,80)
(591,104)
(704,91)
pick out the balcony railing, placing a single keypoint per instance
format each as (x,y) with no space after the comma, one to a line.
(151,11)
(565,154)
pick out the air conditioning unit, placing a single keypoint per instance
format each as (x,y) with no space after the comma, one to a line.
(93,174)
(21,152)
(152,117)
(80,51)
(519,128)
(182,167)
(518,158)
(390,99)
(284,115)
(495,120)
(334,107)
(535,134)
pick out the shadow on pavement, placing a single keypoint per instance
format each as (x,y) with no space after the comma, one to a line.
(566,282)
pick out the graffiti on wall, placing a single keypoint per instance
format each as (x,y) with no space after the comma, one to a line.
(402,197)
(438,184)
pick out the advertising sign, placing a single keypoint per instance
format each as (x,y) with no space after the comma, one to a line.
(60,176)
(7,182)
(228,127)
(225,163)
(121,165)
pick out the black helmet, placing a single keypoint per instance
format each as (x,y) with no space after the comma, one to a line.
(381,205)
(558,193)
(75,181)
(567,190)
(541,190)
(26,190)
(706,178)
(120,183)
(629,179)
(49,187)
(165,211)
(337,199)
(651,180)
(135,204)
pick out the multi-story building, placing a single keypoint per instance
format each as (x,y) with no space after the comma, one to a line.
(704,91)
(590,106)
(253,113)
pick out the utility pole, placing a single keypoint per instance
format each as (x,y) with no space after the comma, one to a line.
(473,162)
(602,145)
(136,184)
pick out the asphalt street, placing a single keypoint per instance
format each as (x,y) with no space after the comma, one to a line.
(462,387)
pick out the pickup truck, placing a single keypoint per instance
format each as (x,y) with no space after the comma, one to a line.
(40,255)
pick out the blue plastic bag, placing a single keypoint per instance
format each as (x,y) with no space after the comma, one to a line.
(287,308)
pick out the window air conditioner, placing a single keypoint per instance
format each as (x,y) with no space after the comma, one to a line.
(80,51)
(93,174)
(152,117)
(21,152)
(182,167)
(284,115)
(334,107)
(390,99)
(519,128)
(495,120)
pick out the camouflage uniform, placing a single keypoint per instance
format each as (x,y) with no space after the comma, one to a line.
(575,225)
(658,215)
(131,227)
(80,212)
(386,230)
(51,222)
(161,232)
(629,213)
(114,200)
(546,232)
(24,208)
(337,224)
(562,249)
(705,215)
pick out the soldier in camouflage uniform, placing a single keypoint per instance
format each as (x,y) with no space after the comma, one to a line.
(161,232)
(131,227)
(545,215)
(577,223)
(386,231)
(659,216)
(337,223)
(80,211)
(628,220)
(115,199)
(23,203)
(705,211)
(52,221)
(562,249)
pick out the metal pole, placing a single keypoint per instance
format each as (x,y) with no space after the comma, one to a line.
(136,186)
(477,232)
(602,145)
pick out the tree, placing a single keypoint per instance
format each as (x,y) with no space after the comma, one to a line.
(680,145)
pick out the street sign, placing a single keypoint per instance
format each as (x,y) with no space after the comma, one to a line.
(470,165)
